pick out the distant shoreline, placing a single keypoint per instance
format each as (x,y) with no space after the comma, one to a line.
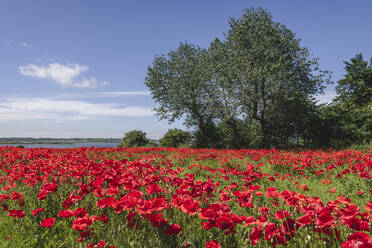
(55,141)
(39,143)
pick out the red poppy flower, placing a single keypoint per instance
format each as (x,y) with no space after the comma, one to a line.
(264,211)
(368,207)
(101,243)
(190,206)
(224,197)
(270,231)
(172,229)
(153,188)
(304,187)
(304,220)
(46,190)
(288,227)
(81,224)
(271,192)
(356,224)
(358,240)
(255,235)
(80,213)
(16,213)
(259,193)
(71,199)
(66,213)
(281,214)
(16,196)
(212,244)
(224,222)
(48,222)
(102,218)
(248,220)
(4,207)
(157,219)
(3,198)
(36,211)
(324,217)
(130,219)
(107,202)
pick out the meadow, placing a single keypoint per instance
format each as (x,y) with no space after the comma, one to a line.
(168,197)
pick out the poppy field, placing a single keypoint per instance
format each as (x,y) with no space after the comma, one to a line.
(173,197)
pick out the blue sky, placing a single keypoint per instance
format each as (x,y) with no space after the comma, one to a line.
(76,68)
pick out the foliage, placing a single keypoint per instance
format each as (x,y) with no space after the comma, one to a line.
(179,84)
(361,147)
(349,116)
(235,133)
(153,143)
(135,138)
(175,138)
(272,75)
(207,136)
(259,76)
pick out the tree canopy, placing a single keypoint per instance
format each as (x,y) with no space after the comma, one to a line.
(256,88)
(179,84)
(349,116)
(269,74)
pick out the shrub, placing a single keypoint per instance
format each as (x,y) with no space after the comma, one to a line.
(175,138)
(135,138)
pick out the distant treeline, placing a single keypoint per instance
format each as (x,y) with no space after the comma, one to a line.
(26,140)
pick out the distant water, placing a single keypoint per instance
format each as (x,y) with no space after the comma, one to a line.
(65,145)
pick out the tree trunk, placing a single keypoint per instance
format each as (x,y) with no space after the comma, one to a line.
(202,133)
(237,140)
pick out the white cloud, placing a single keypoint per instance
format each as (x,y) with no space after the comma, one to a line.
(65,75)
(25,44)
(22,109)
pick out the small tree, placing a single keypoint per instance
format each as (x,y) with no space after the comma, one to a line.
(135,138)
(175,137)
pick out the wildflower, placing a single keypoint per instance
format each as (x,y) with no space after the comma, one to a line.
(48,222)
(16,213)
(212,244)
(172,229)
(36,211)
(66,213)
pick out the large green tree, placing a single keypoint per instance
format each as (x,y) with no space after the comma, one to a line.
(272,73)
(252,88)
